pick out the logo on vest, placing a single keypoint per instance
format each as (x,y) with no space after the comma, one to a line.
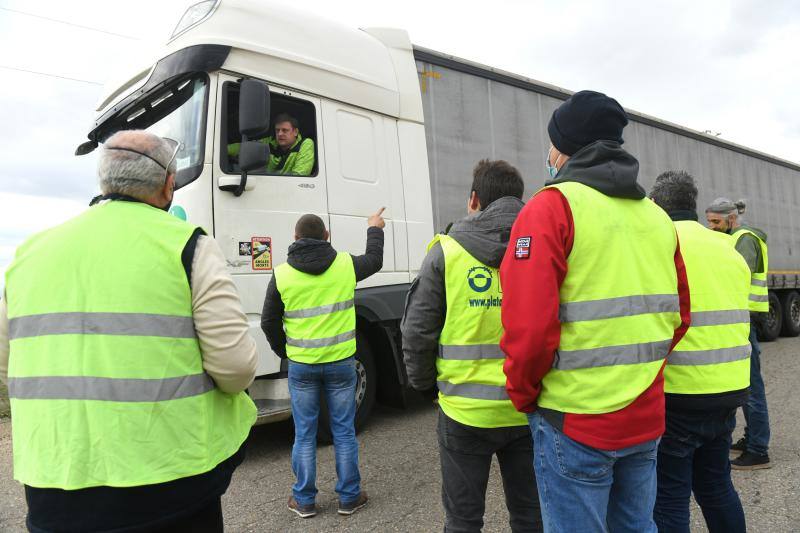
(479,278)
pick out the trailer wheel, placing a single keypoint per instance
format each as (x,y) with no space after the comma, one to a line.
(790,303)
(366,381)
(771,327)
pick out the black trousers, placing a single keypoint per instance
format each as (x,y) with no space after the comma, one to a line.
(190,504)
(466,457)
(207,520)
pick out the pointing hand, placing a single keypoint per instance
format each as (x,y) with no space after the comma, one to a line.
(376,220)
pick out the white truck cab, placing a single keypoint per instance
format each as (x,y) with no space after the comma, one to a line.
(356,94)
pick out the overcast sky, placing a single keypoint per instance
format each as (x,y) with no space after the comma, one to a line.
(726,66)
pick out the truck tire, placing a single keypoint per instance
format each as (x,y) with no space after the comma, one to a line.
(771,326)
(366,385)
(790,303)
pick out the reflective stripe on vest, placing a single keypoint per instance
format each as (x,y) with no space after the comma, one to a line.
(109,389)
(471,382)
(106,376)
(319,310)
(130,324)
(619,303)
(319,317)
(713,356)
(471,352)
(759,293)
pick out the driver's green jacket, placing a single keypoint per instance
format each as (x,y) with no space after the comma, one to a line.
(297,160)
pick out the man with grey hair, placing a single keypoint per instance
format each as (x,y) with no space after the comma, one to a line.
(724,215)
(140,165)
(126,353)
(707,374)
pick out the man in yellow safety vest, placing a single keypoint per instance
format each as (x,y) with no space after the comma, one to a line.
(724,215)
(126,353)
(707,375)
(594,298)
(309,317)
(451,334)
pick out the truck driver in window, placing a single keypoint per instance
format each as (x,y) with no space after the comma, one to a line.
(289,152)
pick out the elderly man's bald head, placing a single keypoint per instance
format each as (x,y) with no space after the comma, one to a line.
(136,163)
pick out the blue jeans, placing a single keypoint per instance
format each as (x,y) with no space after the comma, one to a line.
(590,490)
(756,415)
(307,383)
(693,457)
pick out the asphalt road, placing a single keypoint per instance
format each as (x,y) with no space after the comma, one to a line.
(400,469)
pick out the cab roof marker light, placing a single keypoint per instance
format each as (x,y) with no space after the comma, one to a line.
(160,100)
(193,16)
(135,114)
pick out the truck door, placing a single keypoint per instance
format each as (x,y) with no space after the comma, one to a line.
(364,174)
(255,229)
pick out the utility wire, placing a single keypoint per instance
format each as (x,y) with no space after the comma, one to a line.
(70,24)
(50,75)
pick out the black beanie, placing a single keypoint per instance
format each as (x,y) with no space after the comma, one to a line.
(586,117)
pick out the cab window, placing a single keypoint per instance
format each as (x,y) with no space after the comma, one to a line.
(292,136)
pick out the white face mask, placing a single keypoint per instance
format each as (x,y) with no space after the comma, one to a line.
(551,169)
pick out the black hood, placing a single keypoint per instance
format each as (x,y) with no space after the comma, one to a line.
(311,256)
(605,167)
(485,234)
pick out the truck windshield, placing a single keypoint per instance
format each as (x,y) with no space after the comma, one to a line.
(178,113)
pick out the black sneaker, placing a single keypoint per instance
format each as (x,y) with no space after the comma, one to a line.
(751,461)
(738,448)
(350,508)
(303,511)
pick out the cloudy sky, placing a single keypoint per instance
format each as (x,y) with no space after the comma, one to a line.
(730,66)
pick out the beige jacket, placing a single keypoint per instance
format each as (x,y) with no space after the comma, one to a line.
(229,352)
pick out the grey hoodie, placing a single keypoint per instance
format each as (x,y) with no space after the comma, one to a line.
(749,247)
(485,236)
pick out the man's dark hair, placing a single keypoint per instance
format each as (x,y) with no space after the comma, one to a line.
(286,117)
(675,190)
(496,179)
(310,227)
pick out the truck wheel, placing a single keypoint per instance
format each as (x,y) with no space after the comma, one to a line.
(790,302)
(366,381)
(771,327)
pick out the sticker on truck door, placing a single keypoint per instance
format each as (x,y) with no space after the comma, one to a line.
(262,253)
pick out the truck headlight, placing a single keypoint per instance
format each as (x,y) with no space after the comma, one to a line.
(194,15)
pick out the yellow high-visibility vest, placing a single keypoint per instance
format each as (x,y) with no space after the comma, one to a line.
(619,303)
(319,317)
(714,355)
(471,382)
(105,372)
(759,294)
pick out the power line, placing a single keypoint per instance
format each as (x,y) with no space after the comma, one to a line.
(50,75)
(70,24)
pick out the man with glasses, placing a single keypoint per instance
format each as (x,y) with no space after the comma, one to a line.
(126,354)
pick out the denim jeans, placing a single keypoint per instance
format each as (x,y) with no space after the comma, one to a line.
(307,384)
(756,415)
(590,490)
(466,454)
(693,457)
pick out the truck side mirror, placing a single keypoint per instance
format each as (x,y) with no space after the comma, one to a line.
(253,155)
(253,109)
(253,124)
